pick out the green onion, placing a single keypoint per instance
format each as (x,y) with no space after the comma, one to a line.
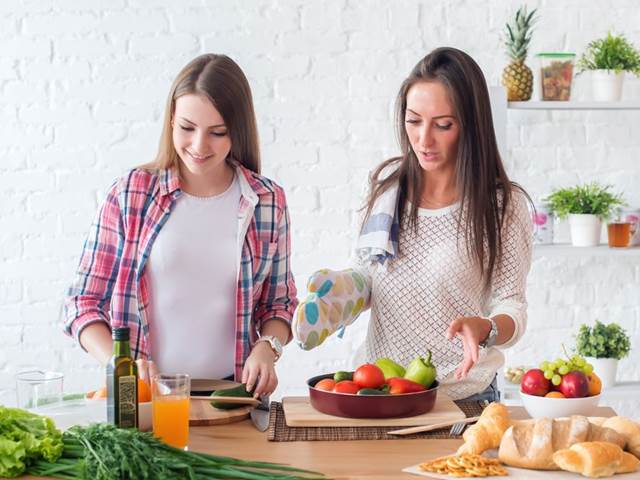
(105,452)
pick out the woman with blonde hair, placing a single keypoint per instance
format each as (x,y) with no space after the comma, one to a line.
(191,251)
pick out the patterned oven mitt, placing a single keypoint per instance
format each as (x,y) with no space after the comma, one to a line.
(335,300)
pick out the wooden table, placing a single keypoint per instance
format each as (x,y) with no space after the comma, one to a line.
(371,459)
(357,459)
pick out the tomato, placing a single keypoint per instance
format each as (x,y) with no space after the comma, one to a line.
(326,384)
(346,386)
(369,376)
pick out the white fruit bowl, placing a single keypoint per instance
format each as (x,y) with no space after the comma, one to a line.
(551,407)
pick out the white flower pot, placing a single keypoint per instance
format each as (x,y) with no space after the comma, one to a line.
(606,369)
(585,229)
(606,85)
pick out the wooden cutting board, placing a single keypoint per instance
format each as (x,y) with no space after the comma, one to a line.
(201,413)
(298,412)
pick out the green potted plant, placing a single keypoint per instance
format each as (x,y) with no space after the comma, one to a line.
(586,206)
(608,58)
(602,346)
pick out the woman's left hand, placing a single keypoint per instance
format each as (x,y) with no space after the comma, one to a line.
(471,330)
(260,367)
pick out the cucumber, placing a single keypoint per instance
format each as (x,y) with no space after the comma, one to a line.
(239,391)
(341,375)
(370,391)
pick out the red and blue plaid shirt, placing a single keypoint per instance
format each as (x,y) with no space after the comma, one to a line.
(111,284)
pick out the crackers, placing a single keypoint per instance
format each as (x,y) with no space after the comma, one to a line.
(466,465)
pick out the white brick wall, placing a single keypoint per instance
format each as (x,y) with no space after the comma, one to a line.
(83,86)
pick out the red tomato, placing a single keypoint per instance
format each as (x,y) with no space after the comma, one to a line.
(369,376)
(346,386)
(326,384)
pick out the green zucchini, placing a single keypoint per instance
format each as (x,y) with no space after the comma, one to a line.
(341,375)
(371,391)
(239,391)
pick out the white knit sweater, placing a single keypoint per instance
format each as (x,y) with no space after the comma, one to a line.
(432,281)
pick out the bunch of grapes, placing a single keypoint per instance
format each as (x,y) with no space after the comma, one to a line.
(554,370)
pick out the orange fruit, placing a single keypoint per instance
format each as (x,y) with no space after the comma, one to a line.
(595,384)
(144,392)
(555,395)
(100,393)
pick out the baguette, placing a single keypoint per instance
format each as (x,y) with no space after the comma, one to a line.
(531,443)
(595,459)
(487,432)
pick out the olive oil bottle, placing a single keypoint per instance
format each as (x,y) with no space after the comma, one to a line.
(122,383)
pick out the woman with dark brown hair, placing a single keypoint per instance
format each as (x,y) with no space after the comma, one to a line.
(191,251)
(445,244)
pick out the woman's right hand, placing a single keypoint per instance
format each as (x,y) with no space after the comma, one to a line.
(146,370)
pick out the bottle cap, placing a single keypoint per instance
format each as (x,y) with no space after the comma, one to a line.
(121,333)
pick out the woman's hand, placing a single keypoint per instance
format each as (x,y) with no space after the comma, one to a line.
(146,370)
(260,367)
(471,330)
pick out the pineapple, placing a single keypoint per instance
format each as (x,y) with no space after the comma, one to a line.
(517,77)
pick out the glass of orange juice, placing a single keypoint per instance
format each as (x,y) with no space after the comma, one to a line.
(170,408)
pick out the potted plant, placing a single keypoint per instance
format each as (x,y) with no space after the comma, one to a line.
(586,206)
(602,346)
(608,58)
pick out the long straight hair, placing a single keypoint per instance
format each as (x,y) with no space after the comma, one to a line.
(484,188)
(221,80)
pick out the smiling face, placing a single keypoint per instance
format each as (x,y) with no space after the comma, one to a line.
(432,127)
(200,136)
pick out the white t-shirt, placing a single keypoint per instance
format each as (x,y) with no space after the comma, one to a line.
(432,281)
(193,275)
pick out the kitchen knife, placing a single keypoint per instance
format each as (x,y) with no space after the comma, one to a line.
(260,415)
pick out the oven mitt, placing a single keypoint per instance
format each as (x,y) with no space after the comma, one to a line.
(335,300)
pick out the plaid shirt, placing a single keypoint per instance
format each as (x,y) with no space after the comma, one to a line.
(111,284)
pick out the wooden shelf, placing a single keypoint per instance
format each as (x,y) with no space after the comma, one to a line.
(566,250)
(574,105)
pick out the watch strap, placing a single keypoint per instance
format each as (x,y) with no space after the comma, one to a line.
(490,341)
(274,343)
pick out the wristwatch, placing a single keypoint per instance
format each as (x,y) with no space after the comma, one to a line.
(490,341)
(275,344)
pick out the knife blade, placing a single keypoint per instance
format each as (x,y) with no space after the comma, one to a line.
(260,415)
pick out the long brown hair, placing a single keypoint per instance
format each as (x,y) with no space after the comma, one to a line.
(480,174)
(221,80)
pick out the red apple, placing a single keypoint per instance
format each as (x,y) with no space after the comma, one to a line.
(574,385)
(534,383)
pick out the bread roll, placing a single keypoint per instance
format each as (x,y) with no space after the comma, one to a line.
(531,444)
(629,429)
(595,459)
(488,430)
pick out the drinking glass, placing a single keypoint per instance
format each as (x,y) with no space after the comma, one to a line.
(170,408)
(619,233)
(36,388)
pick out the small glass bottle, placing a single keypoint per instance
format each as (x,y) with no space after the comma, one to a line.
(122,383)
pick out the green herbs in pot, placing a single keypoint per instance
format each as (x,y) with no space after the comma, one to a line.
(613,52)
(603,341)
(592,198)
